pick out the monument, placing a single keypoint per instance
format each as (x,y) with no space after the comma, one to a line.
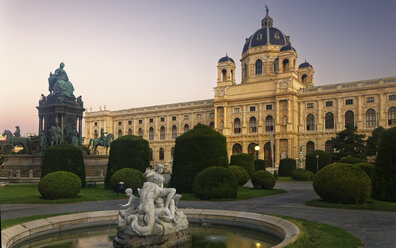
(60,113)
(153,220)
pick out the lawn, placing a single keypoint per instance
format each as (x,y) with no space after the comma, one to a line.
(30,194)
(371,204)
(318,235)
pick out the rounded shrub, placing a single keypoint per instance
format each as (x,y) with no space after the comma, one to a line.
(310,160)
(368,168)
(240,173)
(350,160)
(59,184)
(214,183)
(342,183)
(196,150)
(132,178)
(286,166)
(385,168)
(64,157)
(302,175)
(245,161)
(128,151)
(263,180)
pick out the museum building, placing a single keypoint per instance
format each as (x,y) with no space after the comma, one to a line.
(275,103)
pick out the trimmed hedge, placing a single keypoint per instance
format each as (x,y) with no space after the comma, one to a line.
(350,160)
(286,166)
(368,168)
(128,151)
(245,161)
(215,182)
(302,175)
(132,178)
(260,164)
(385,168)
(263,180)
(64,157)
(196,150)
(310,160)
(342,183)
(240,173)
(59,184)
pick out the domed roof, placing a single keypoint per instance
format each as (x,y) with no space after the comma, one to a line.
(287,48)
(304,65)
(225,59)
(266,35)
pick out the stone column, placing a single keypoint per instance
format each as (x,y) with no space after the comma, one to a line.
(277,152)
(30,174)
(216,119)
(80,129)
(382,122)
(18,174)
(339,116)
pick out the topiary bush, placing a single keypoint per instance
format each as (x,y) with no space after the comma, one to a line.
(302,175)
(240,173)
(342,183)
(310,160)
(196,150)
(59,184)
(385,168)
(350,160)
(263,180)
(260,164)
(132,178)
(368,168)
(214,183)
(245,161)
(64,157)
(128,151)
(286,166)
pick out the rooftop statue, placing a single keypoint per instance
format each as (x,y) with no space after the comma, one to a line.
(60,86)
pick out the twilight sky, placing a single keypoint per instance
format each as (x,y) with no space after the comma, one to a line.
(127,53)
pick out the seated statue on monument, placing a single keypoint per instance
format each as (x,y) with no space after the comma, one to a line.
(61,89)
(154,218)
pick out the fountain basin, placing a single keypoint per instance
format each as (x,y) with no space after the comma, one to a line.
(284,230)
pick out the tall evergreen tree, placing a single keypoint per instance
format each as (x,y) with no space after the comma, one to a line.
(348,143)
(373,141)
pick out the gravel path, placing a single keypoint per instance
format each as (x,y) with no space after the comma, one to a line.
(375,228)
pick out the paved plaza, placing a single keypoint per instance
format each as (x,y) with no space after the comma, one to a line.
(375,228)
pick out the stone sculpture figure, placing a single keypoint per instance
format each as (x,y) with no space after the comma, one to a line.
(61,89)
(17,139)
(103,140)
(56,135)
(43,141)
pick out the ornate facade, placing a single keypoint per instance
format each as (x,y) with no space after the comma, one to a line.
(276,102)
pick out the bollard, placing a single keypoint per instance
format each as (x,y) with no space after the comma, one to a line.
(100,173)
(10,173)
(18,174)
(30,173)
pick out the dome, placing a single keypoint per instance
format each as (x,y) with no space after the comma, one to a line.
(267,35)
(304,65)
(287,48)
(225,59)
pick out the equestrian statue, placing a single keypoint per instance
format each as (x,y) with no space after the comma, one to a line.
(16,139)
(103,140)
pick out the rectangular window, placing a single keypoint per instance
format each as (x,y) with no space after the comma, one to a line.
(236,110)
(268,107)
(370,99)
(119,123)
(349,102)
(162,119)
(199,116)
(211,115)
(186,117)
(310,105)
(252,108)
(95,124)
(129,122)
(392,98)
(151,120)
(140,121)
(329,103)
(173,118)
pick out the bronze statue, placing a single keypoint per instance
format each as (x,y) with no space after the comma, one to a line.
(17,133)
(101,141)
(16,140)
(60,85)
(56,135)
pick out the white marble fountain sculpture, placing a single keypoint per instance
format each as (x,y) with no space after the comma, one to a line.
(153,219)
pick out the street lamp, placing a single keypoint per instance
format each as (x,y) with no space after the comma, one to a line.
(257,148)
(317,163)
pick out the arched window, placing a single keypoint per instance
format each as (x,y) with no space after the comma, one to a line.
(259,67)
(237,125)
(140,132)
(119,133)
(162,133)
(251,149)
(392,116)
(186,128)
(151,133)
(310,122)
(151,154)
(329,121)
(96,134)
(211,124)
(245,71)
(349,118)
(269,123)
(224,75)
(285,65)
(161,153)
(371,120)
(237,148)
(231,75)
(310,147)
(130,131)
(276,66)
(253,125)
(329,146)
(304,79)
(174,132)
